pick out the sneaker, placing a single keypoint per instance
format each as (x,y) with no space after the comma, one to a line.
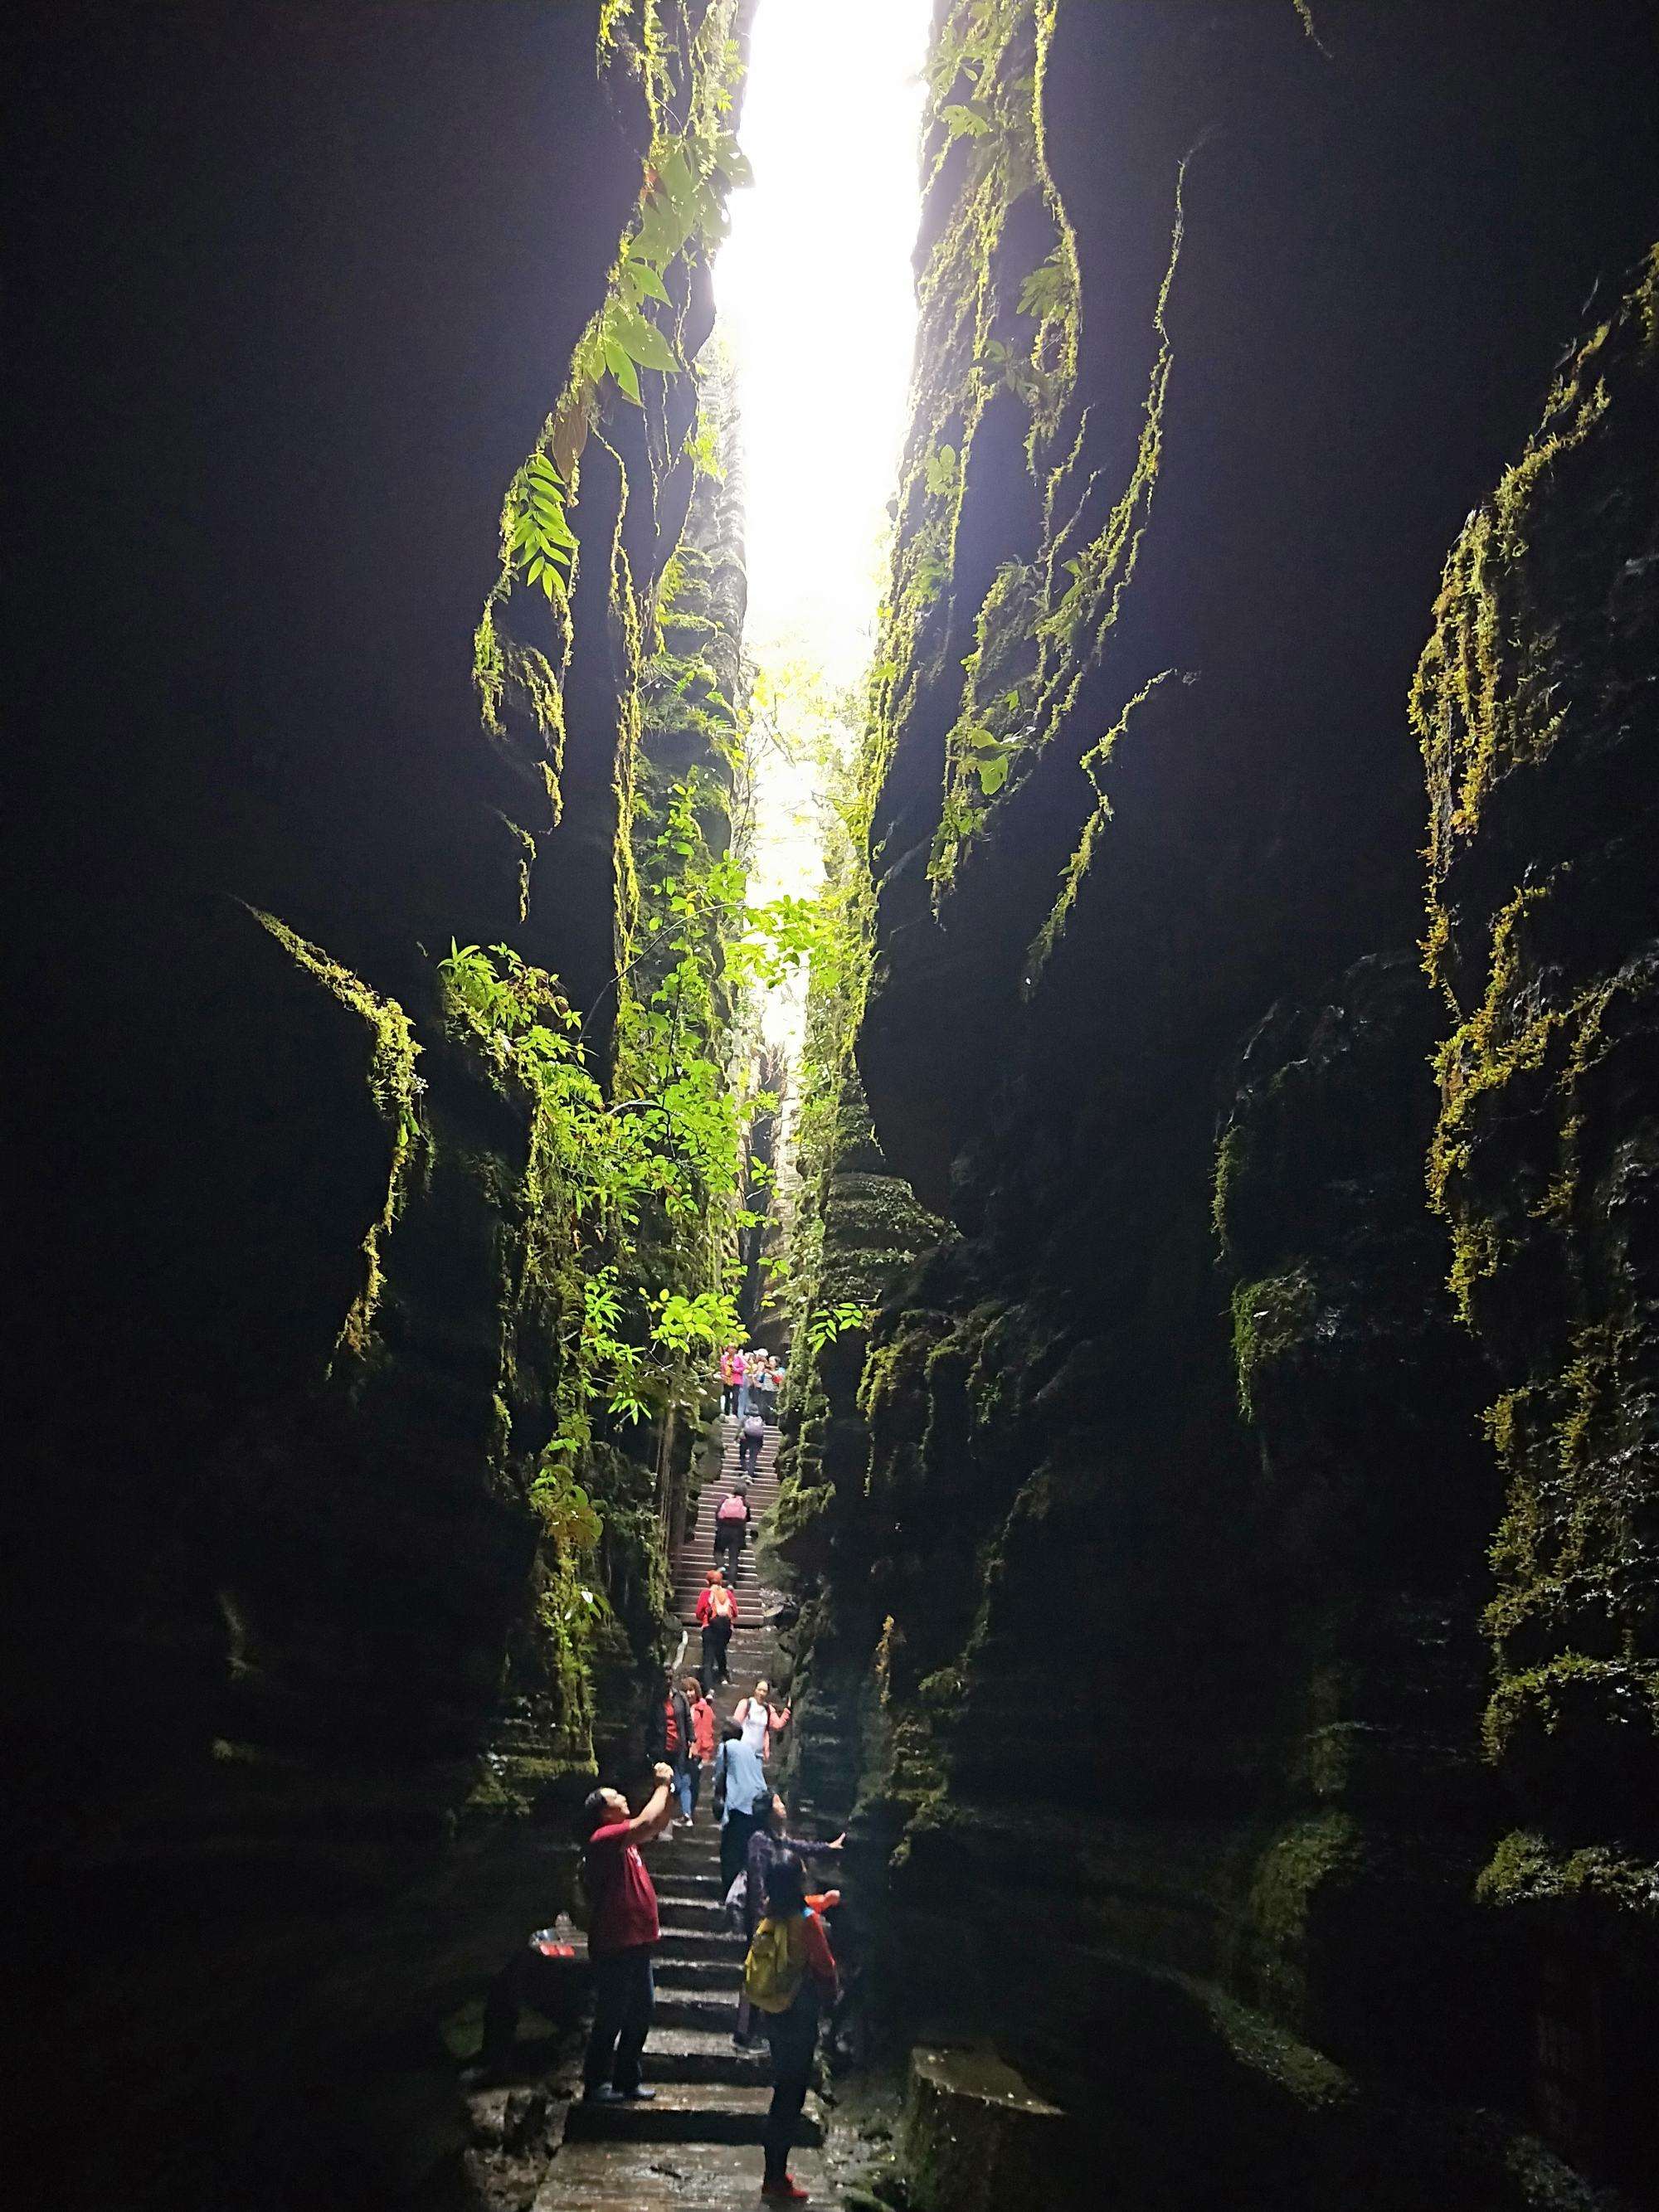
(601,2093)
(786,2191)
(639,2094)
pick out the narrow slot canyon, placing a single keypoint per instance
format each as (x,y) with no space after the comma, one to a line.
(947,693)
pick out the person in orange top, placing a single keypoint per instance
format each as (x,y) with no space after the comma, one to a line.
(717,1616)
(704,1721)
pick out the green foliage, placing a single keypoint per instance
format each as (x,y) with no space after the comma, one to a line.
(1271,1318)
(1019,371)
(621,1252)
(605,1170)
(942,472)
(702,450)
(966,47)
(827,1322)
(536,531)
(963,121)
(643,1187)
(688,172)
(568,1513)
(1049,290)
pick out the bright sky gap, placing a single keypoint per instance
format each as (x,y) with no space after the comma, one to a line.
(817,309)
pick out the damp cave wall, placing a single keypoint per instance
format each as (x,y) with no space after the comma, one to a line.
(289,1742)
(1149,1622)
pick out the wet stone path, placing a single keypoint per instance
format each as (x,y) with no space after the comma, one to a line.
(698,2142)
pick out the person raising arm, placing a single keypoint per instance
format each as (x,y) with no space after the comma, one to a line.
(759,1719)
(622,1932)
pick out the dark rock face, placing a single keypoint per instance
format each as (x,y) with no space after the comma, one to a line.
(1535,706)
(293,1724)
(1156,1590)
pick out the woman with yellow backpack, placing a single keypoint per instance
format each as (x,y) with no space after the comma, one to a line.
(789,1974)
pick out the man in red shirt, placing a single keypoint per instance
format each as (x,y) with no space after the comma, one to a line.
(621,1934)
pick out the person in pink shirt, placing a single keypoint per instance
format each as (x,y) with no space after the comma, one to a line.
(730,1377)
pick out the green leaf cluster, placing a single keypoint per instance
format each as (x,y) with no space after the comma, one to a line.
(942,472)
(536,531)
(826,1323)
(1049,289)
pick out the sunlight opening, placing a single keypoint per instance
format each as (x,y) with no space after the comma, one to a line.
(817,313)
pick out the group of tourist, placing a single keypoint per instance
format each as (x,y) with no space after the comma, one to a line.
(789,1970)
(751,1381)
(681,1737)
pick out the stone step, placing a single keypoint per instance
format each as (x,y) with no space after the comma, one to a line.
(695,2009)
(704,2054)
(709,2111)
(682,1887)
(604,2177)
(691,1916)
(679,1945)
(682,1977)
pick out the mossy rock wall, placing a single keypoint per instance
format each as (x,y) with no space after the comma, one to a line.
(297,1721)
(1533,706)
(1162,1549)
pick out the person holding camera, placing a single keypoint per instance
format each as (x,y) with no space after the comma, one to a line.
(622,1932)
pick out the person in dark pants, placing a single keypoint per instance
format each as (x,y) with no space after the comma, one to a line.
(668,1737)
(790,1972)
(717,1616)
(741,1797)
(622,1931)
(751,1435)
(732,1529)
(770,1842)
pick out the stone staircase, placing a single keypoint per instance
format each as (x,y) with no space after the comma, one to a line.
(751,1648)
(679,2150)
